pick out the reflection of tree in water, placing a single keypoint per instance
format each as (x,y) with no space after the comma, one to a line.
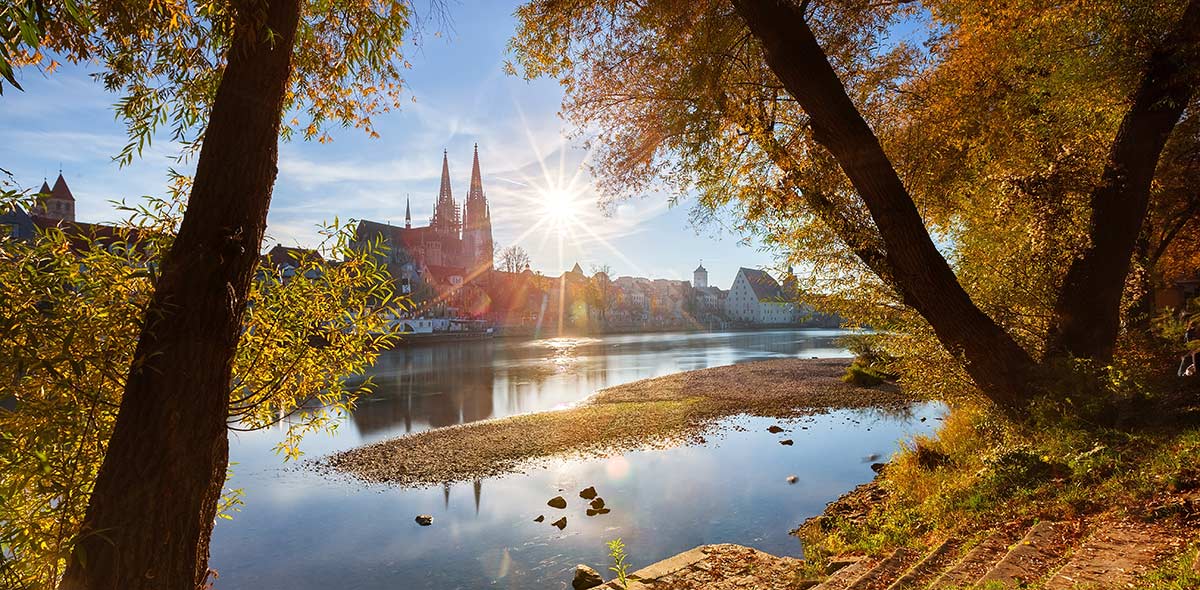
(437,385)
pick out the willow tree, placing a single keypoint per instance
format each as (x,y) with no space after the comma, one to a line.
(1016,149)
(220,76)
(72,309)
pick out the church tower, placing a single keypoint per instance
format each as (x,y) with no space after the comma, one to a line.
(477,229)
(58,202)
(700,277)
(446,219)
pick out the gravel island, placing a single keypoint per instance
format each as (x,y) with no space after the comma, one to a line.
(652,413)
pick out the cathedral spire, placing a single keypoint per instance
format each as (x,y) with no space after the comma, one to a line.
(476,192)
(407,213)
(445,213)
(444,192)
(477,224)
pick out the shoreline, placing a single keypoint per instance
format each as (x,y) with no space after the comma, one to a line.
(653,413)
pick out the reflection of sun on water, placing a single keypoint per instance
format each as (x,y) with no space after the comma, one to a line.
(563,350)
(617,468)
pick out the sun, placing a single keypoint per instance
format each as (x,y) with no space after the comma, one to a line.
(560,208)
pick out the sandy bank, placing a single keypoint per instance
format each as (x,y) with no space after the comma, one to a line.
(658,412)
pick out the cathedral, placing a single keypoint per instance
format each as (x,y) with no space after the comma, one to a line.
(454,248)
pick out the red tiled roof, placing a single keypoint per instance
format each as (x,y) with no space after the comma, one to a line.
(60,190)
(763,285)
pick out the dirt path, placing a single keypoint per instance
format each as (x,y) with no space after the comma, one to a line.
(660,412)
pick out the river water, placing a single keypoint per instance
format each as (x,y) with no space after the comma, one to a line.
(303,530)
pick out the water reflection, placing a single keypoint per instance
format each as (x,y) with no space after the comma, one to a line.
(433,386)
(305,530)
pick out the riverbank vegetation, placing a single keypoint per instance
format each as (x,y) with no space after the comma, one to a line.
(74,302)
(981,473)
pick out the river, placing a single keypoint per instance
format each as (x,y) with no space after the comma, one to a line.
(303,530)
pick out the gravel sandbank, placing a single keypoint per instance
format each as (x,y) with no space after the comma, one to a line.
(652,413)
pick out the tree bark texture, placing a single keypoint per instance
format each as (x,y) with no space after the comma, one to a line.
(999,366)
(150,517)
(1087,312)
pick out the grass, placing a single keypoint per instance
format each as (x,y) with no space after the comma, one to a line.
(863,375)
(984,473)
(616,550)
(1176,573)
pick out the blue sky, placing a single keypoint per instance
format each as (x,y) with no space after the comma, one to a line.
(457,95)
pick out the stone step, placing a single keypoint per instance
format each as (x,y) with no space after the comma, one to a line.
(925,570)
(1116,554)
(976,562)
(884,572)
(844,577)
(1042,549)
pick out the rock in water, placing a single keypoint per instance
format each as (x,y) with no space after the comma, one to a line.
(560,523)
(598,503)
(424,519)
(792,479)
(588,493)
(557,502)
(878,467)
(591,512)
(586,577)
(540,518)
(774,429)
(786,442)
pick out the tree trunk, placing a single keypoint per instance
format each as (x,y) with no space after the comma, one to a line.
(1087,313)
(150,517)
(997,364)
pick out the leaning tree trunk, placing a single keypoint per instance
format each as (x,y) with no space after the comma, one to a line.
(997,364)
(1087,314)
(150,517)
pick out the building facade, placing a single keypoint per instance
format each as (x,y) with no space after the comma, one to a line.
(452,251)
(756,298)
